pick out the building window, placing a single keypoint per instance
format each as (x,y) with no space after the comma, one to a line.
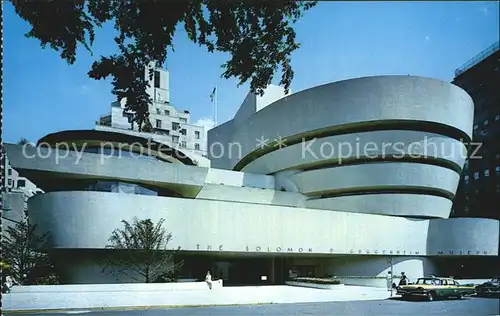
(129,117)
(167,112)
(497,169)
(498,187)
(197,135)
(183,131)
(9,172)
(497,117)
(183,119)
(197,146)
(466,179)
(183,144)
(486,122)
(120,187)
(175,139)
(158,111)
(486,172)
(21,183)
(175,126)
(9,182)
(476,175)
(158,123)
(157,79)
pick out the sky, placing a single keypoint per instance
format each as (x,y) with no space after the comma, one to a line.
(339,40)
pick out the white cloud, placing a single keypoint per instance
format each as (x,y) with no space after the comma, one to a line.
(206,122)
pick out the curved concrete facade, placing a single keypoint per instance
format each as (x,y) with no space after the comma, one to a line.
(94,215)
(200,226)
(341,180)
(425,147)
(402,99)
(389,197)
(388,134)
(411,205)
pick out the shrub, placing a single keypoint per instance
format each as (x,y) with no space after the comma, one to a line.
(317,280)
(47,280)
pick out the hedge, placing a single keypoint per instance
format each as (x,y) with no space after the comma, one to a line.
(317,280)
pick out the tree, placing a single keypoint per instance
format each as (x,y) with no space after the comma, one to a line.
(23,141)
(258,36)
(20,251)
(147,127)
(139,251)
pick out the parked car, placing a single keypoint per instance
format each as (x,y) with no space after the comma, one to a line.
(490,288)
(434,287)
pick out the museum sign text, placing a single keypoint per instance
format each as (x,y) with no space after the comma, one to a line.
(335,251)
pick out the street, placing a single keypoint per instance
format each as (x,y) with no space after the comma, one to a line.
(468,306)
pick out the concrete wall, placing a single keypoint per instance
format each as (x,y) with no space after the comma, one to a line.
(381,175)
(415,205)
(86,219)
(355,101)
(388,134)
(250,195)
(379,266)
(219,149)
(391,143)
(123,287)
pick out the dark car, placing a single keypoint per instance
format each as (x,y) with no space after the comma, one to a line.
(489,289)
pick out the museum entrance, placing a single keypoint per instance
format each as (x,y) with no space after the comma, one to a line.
(243,271)
(234,271)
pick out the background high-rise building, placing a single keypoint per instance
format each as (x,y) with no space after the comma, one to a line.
(174,126)
(479,189)
(16,191)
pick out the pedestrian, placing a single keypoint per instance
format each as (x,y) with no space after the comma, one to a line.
(208,279)
(9,283)
(403,280)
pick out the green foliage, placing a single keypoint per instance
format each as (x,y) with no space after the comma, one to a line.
(50,279)
(20,250)
(258,36)
(139,251)
(23,141)
(147,127)
(317,281)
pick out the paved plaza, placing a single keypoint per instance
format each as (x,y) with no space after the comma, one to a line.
(469,306)
(239,295)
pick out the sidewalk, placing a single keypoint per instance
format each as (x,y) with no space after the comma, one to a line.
(244,295)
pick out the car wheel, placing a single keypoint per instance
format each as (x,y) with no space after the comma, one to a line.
(460,296)
(404,297)
(430,296)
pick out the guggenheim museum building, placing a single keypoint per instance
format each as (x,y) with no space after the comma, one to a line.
(343,179)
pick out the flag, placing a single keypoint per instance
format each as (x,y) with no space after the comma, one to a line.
(212,95)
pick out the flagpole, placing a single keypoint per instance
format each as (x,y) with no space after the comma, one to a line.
(216,109)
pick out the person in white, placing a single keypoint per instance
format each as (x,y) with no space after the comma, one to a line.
(9,282)
(208,279)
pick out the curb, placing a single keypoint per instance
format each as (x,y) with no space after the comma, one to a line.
(124,308)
